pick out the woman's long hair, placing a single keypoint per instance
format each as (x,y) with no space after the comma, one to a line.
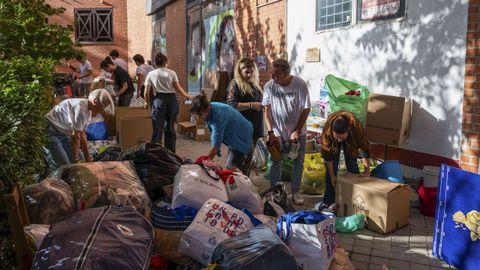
(246,87)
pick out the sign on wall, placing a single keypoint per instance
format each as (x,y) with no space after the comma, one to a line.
(262,62)
(375,9)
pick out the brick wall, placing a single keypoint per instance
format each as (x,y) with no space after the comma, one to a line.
(261,30)
(139,33)
(97,52)
(471,103)
(176,18)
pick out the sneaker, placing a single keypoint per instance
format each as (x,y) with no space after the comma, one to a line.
(294,147)
(297,198)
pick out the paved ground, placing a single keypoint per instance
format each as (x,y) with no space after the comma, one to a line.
(408,248)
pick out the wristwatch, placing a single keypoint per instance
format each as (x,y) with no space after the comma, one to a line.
(270,132)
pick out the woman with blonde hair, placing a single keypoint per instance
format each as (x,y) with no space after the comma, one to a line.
(245,94)
(67,122)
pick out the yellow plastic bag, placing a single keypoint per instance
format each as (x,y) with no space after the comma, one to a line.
(314,173)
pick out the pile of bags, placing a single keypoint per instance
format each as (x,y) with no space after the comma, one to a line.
(100,215)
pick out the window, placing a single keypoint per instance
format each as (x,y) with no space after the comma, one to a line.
(94,25)
(339,13)
(333,14)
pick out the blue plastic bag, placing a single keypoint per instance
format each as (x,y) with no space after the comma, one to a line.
(97,129)
(456,238)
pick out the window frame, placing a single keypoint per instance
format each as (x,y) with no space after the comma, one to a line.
(95,41)
(356,17)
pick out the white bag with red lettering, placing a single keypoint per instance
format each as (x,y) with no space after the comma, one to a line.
(242,193)
(311,236)
(215,222)
(194,184)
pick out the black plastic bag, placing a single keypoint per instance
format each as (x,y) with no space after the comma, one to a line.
(112,153)
(274,197)
(258,249)
(156,167)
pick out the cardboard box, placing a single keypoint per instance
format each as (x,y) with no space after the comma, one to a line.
(134,130)
(200,133)
(388,119)
(384,203)
(128,112)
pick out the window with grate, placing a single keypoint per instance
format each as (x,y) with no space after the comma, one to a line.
(94,25)
(333,14)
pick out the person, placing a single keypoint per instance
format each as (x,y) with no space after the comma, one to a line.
(287,104)
(162,83)
(225,44)
(122,81)
(85,75)
(342,130)
(245,94)
(142,71)
(115,55)
(228,126)
(67,122)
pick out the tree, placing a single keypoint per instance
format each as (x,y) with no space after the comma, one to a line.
(29,49)
(24,30)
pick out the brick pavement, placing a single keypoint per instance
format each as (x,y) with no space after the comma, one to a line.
(407,248)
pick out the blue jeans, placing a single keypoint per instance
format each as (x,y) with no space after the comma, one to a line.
(352,167)
(60,146)
(164,112)
(297,170)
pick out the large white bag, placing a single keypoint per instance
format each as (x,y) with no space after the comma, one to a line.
(243,194)
(194,184)
(311,237)
(215,222)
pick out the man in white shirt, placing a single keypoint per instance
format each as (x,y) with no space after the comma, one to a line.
(142,71)
(115,55)
(287,105)
(85,76)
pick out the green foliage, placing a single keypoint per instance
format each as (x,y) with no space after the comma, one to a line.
(29,48)
(24,30)
(25,85)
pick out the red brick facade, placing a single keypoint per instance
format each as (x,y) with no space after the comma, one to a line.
(261,30)
(97,52)
(471,103)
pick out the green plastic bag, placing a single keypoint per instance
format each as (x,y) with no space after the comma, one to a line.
(287,166)
(337,88)
(350,223)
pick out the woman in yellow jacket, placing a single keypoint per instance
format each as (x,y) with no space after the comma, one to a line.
(343,131)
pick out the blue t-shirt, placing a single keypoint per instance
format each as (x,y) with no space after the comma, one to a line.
(227,125)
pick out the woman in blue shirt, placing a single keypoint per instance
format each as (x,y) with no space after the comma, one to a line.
(227,126)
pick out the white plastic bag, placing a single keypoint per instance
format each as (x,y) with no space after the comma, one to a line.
(193,186)
(243,194)
(137,102)
(313,244)
(215,222)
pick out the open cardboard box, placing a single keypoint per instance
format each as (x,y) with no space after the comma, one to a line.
(385,204)
(134,131)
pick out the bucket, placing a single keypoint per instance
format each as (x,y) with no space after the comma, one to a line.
(389,170)
(430,176)
(428,199)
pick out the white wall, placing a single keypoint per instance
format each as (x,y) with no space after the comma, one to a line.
(421,57)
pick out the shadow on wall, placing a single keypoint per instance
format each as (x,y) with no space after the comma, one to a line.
(256,37)
(421,57)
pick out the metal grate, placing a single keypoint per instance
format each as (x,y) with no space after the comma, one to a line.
(94,25)
(333,14)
